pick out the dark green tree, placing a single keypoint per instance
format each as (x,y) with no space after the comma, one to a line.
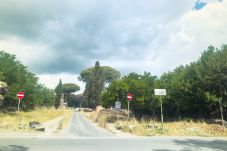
(19,78)
(69,88)
(58,92)
(212,71)
(141,86)
(116,91)
(96,78)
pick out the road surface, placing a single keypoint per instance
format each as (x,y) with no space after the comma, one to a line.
(82,135)
(80,127)
(113,144)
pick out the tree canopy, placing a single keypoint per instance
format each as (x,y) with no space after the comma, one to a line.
(70,87)
(96,78)
(194,90)
(19,78)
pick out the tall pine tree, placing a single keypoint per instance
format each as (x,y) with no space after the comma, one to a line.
(59,92)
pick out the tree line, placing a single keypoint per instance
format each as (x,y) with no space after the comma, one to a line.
(196,90)
(16,77)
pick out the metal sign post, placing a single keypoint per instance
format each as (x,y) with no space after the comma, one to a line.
(129,97)
(160,92)
(18,107)
(128,108)
(161,111)
(20,95)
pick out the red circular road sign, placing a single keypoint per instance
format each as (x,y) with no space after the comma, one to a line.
(129,97)
(20,95)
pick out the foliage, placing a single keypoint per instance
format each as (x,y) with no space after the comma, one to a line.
(70,87)
(192,90)
(75,100)
(96,78)
(18,78)
(59,92)
(141,86)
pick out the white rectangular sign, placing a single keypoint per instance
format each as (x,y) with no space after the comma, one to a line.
(160,91)
(117,105)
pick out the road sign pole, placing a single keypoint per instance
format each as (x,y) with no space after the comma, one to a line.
(161,112)
(18,107)
(129,98)
(128,108)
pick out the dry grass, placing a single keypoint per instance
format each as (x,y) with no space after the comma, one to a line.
(12,120)
(102,119)
(97,118)
(178,128)
(153,127)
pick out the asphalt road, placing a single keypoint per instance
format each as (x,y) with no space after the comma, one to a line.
(80,127)
(112,144)
(82,135)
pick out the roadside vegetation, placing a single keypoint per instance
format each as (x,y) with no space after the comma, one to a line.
(152,127)
(18,78)
(195,104)
(20,120)
(194,91)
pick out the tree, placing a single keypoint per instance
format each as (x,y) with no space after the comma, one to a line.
(75,100)
(117,90)
(184,96)
(96,79)
(68,88)
(212,71)
(19,78)
(59,92)
(139,85)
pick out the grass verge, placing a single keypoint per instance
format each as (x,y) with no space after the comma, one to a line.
(20,120)
(151,127)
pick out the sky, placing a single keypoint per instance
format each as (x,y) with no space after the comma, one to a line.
(59,39)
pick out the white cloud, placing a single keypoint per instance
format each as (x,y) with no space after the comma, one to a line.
(30,54)
(52,80)
(193,33)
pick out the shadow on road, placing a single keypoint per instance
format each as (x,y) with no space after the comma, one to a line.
(192,144)
(13,148)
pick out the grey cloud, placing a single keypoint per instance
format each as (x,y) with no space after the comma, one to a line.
(60,65)
(78,32)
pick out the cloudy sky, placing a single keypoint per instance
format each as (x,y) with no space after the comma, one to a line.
(58,39)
